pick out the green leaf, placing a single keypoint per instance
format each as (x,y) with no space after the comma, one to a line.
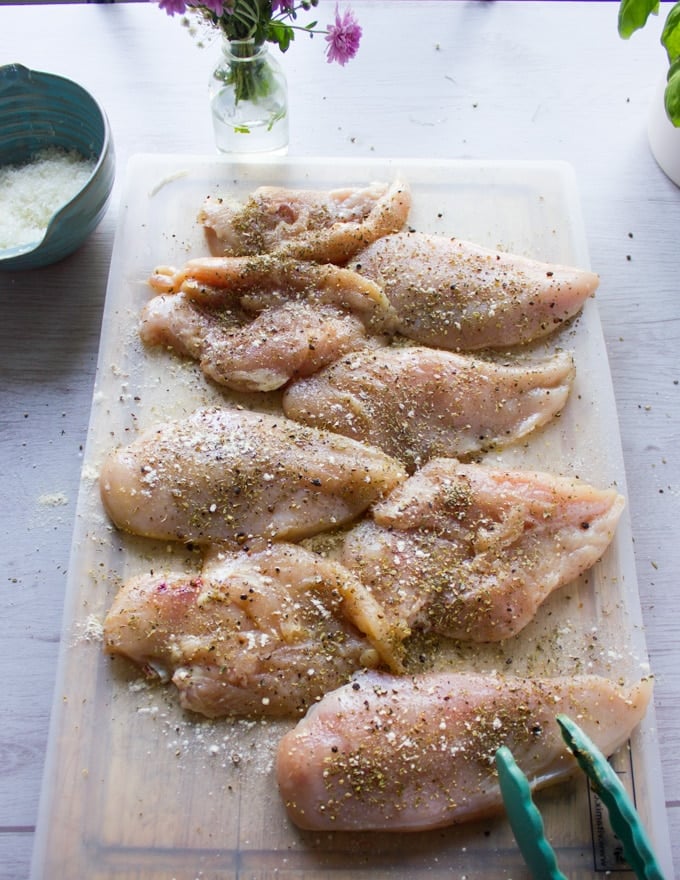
(672,93)
(280,33)
(633,15)
(276,117)
(670,37)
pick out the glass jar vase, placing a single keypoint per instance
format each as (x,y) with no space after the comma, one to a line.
(249,100)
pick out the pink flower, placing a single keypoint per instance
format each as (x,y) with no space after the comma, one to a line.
(173,7)
(343,37)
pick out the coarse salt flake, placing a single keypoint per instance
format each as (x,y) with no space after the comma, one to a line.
(32,193)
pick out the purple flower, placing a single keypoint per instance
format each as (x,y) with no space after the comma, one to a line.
(283,5)
(173,7)
(216,6)
(343,37)
(179,7)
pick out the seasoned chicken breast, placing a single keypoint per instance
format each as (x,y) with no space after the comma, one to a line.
(457,295)
(225,474)
(417,403)
(471,551)
(260,633)
(255,323)
(411,753)
(264,282)
(324,226)
(262,354)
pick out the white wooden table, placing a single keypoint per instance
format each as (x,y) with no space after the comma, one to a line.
(534,80)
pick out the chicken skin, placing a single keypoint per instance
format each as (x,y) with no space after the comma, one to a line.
(228,475)
(457,295)
(471,551)
(257,633)
(323,226)
(399,753)
(416,403)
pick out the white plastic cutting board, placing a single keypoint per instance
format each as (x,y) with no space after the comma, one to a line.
(135,789)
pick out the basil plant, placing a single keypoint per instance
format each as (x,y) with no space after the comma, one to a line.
(633,15)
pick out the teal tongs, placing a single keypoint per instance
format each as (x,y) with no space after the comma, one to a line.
(527,824)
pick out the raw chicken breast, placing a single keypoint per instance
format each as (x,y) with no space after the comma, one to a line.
(471,551)
(262,633)
(262,354)
(231,474)
(255,323)
(327,227)
(457,295)
(259,283)
(417,403)
(407,754)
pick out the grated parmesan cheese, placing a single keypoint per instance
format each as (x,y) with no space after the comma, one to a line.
(31,194)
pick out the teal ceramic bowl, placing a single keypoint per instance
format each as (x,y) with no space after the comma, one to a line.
(39,111)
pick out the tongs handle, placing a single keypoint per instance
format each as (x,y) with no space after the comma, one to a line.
(525,820)
(527,824)
(623,816)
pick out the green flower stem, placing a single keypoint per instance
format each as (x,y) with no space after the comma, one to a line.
(250,77)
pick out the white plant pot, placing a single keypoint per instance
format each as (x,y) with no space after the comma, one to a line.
(664,137)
